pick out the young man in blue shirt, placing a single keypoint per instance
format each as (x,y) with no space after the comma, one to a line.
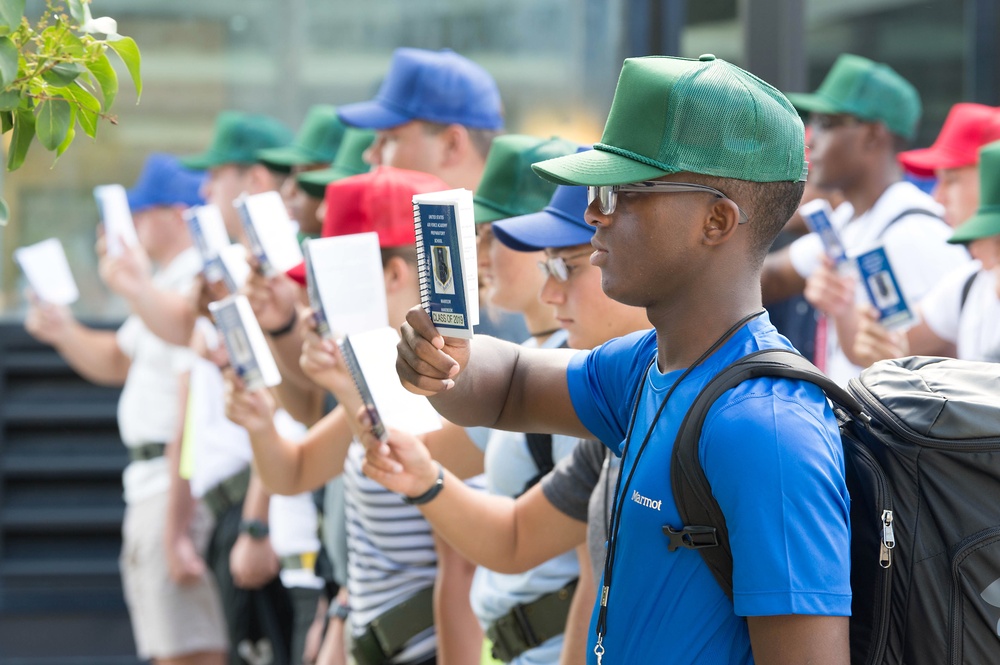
(700,166)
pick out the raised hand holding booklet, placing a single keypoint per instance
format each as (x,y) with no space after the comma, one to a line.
(232,267)
(371,358)
(248,352)
(446,260)
(345,283)
(816,214)
(883,289)
(270,233)
(208,231)
(119,230)
(48,273)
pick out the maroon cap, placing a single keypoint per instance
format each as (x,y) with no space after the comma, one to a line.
(967,128)
(379,201)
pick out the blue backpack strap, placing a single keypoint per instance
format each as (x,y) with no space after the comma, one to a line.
(704,525)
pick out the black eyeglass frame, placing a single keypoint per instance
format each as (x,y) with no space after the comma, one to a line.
(607,195)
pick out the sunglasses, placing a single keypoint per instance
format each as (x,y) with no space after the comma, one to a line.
(607,195)
(556,268)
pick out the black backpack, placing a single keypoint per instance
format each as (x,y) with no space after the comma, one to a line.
(921,443)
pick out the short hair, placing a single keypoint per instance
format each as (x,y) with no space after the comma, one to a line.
(481,139)
(406,252)
(769,206)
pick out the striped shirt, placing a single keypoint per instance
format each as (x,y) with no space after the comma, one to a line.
(390,553)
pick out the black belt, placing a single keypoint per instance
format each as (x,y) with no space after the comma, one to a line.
(529,625)
(146,451)
(388,633)
(228,493)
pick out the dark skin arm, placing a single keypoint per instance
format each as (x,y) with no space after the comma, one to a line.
(798,639)
(487,381)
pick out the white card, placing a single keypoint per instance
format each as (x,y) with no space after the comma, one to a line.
(375,351)
(349,282)
(231,264)
(119,231)
(208,231)
(272,235)
(47,270)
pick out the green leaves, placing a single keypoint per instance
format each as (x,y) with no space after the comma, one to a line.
(128,51)
(106,79)
(63,74)
(8,61)
(52,122)
(11,12)
(88,109)
(24,132)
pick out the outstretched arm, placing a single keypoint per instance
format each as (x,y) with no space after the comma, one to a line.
(93,354)
(487,381)
(500,533)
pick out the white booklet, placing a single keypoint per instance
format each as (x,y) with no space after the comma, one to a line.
(445,228)
(345,283)
(47,270)
(270,232)
(119,231)
(208,231)
(249,354)
(371,358)
(231,265)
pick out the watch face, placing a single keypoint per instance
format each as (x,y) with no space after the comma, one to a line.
(254,528)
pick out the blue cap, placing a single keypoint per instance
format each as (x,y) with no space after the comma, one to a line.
(164,182)
(437,86)
(559,224)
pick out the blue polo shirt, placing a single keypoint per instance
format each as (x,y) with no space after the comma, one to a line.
(772,454)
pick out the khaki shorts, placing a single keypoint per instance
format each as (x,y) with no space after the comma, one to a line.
(168,620)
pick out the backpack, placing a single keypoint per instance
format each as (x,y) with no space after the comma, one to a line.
(921,441)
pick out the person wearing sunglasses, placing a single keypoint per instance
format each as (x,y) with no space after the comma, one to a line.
(770,447)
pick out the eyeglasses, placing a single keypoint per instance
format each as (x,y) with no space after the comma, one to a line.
(607,195)
(824,122)
(556,268)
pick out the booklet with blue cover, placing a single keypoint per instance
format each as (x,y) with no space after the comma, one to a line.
(346,284)
(116,216)
(817,214)
(270,233)
(883,289)
(446,260)
(249,354)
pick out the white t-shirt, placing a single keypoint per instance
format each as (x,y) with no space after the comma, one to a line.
(975,327)
(916,246)
(148,406)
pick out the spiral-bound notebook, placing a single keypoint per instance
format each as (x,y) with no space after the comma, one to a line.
(816,214)
(270,232)
(883,289)
(371,358)
(249,354)
(208,231)
(446,260)
(346,284)
(119,230)
(232,267)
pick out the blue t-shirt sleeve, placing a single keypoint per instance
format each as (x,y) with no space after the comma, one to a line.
(774,459)
(602,384)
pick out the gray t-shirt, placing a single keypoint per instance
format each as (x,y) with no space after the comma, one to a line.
(582,487)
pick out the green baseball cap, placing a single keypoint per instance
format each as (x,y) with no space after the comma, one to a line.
(698,116)
(238,138)
(509,188)
(986,221)
(867,90)
(316,143)
(349,161)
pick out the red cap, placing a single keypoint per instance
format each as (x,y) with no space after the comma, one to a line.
(380,201)
(967,128)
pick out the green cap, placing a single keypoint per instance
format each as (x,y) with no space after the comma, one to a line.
(698,116)
(867,90)
(349,161)
(986,221)
(316,143)
(509,188)
(238,138)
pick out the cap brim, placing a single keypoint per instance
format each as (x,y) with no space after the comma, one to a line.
(813,103)
(298,273)
(596,167)
(924,161)
(540,230)
(286,157)
(314,183)
(980,225)
(485,214)
(371,115)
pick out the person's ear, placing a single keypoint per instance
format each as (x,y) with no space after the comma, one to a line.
(456,143)
(721,221)
(397,274)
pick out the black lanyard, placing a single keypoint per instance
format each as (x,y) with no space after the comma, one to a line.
(620,491)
